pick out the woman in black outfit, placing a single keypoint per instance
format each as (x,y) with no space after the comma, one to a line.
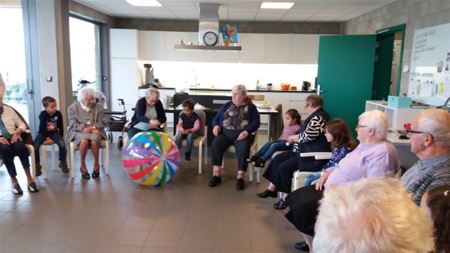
(311,138)
(149,114)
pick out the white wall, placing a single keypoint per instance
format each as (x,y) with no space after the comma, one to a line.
(270,58)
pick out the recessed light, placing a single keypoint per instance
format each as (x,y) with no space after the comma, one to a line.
(151,3)
(277,5)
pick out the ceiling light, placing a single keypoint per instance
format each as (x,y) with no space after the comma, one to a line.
(276,5)
(151,3)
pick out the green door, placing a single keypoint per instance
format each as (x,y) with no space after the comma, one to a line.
(345,74)
(383,66)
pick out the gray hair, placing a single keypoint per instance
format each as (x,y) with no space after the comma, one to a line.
(437,123)
(152,93)
(371,215)
(240,88)
(84,92)
(376,120)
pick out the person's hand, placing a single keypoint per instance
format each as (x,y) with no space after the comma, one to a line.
(3,140)
(243,135)
(87,129)
(216,130)
(154,123)
(188,131)
(182,130)
(51,126)
(15,137)
(322,180)
(293,138)
(95,130)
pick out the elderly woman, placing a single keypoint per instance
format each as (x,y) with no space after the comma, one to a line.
(235,124)
(11,127)
(149,114)
(311,138)
(86,128)
(373,157)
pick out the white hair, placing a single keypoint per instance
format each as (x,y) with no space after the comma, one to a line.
(371,215)
(376,120)
(437,123)
(240,88)
(152,93)
(84,92)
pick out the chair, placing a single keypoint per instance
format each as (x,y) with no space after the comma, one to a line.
(27,139)
(201,141)
(52,144)
(298,178)
(104,155)
(257,170)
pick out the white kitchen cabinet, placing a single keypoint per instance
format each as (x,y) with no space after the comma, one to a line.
(278,48)
(397,116)
(124,80)
(305,49)
(124,43)
(153,45)
(253,48)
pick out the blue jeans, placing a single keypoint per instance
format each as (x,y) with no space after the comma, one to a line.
(311,178)
(56,137)
(189,140)
(266,152)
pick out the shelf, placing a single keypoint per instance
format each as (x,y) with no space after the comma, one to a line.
(199,47)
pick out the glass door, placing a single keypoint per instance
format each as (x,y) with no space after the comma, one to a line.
(12,58)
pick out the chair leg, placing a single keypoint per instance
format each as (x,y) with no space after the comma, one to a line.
(72,159)
(32,163)
(43,160)
(258,174)
(106,158)
(200,150)
(250,172)
(53,164)
(206,153)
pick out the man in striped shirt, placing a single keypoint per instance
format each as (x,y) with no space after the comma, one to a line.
(430,141)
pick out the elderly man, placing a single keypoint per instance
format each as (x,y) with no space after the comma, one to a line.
(430,141)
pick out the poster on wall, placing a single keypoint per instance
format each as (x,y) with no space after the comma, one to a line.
(429,77)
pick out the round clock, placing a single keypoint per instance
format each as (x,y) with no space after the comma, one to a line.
(210,38)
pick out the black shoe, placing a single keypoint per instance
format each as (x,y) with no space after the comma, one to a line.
(187,156)
(63,166)
(95,174)
(17,190)
(38,170)
(85,175)
(267,193)
(240,184)
(302,246)
(214,181)
(280,205)
(32,187)
(260,163)
(253,158)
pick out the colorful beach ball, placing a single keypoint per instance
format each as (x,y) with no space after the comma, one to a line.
(151,158)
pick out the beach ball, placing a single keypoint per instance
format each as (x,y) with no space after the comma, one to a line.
(151,158)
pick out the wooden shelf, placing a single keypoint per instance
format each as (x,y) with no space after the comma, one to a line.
(200,47)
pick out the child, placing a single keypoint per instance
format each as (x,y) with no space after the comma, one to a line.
(339,135)
(188,126)
(436,203)
(292,125)
(50,128)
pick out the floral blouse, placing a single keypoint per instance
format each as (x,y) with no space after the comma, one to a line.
(336,155)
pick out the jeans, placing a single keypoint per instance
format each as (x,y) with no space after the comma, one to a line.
(8,152)
(189,140)
(311,178)
(266,152)
(57,138)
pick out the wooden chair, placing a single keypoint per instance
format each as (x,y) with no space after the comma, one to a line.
(201,141)
(298,178)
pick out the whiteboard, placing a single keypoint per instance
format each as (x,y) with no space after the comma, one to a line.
(429,77)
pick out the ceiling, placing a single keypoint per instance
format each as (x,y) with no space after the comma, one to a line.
(243,10)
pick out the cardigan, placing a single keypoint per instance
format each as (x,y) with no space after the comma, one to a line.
(253,114)
(141,107)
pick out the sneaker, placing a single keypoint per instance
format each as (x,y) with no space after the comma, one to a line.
(38,170)
(17,190)
(280,205)
(63,166)
(214,181)
(302,246)
(253,158)
(32,187)
(240,184)
(260,163)
(187,156)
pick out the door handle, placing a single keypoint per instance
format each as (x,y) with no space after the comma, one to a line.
(318,90)
(29,88)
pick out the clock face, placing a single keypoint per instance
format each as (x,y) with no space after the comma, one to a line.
(210,38)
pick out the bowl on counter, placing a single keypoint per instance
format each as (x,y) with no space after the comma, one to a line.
(285,86)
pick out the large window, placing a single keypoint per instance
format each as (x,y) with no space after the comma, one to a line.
(12,58)
(85,53)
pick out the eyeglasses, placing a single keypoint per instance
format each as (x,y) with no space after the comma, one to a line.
(410,132)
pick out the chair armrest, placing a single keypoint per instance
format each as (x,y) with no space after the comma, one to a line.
(317,155)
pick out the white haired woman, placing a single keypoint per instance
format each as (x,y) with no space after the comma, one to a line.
(86,129)
(11,144)
(373,157)
(234,124)
(149,114)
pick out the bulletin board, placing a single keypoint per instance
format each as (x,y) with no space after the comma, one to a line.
(429,76)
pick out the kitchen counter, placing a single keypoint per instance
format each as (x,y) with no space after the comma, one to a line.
(229,90)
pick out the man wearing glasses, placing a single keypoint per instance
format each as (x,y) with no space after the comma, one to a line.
(430,141)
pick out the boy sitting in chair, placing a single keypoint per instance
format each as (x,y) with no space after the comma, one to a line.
(188,126)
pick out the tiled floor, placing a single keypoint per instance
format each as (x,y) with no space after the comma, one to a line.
(113,214)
